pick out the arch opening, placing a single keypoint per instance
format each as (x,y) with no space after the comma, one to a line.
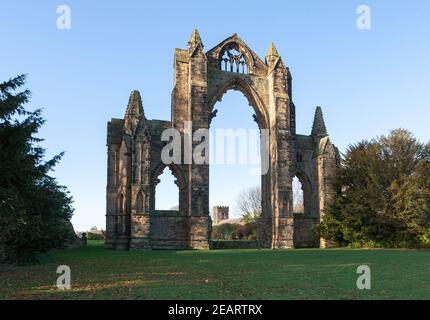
(166,191)
(301,194)
(231,182)
(237,84)
(298,204)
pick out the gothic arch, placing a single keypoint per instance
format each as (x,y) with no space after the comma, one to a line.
(307,191)
(180,181)
(241,49)
(239,84)
(174,169)
(140,201)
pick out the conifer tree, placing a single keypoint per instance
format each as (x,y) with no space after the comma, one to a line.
(33,206)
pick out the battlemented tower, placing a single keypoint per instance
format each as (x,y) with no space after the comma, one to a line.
(220,213)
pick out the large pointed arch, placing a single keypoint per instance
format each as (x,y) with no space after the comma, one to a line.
(238,83)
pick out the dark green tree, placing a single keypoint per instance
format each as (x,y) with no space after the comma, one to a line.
(384,194)
(33,207)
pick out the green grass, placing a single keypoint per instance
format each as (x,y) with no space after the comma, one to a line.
(98,273)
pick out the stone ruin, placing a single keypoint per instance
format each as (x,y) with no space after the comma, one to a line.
(200,80)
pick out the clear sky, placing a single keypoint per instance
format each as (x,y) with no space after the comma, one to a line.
(367,81)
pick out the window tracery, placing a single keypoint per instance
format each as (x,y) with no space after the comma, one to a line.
(233,60)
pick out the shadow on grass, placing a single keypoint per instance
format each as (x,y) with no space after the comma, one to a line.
(99,273)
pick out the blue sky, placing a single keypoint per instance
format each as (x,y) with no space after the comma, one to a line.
(367,81)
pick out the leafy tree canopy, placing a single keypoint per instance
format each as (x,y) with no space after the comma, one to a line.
(384,194)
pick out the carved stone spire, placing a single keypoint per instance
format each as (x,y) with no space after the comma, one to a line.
(134,106)
(195,40)
(133,113)
(318,127)
(272,54)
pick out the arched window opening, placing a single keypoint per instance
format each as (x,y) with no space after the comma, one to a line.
(298,199)
(166,192)
(233,61)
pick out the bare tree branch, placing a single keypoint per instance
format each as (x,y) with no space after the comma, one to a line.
(249,204)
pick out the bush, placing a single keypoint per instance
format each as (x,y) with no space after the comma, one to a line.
(223,231)
(230,231)
(246,232)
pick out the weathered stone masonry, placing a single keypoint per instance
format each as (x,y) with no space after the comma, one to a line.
(200,80)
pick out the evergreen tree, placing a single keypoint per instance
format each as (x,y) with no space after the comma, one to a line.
(384,194)
(33,206)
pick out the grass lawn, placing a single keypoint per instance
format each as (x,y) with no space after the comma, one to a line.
(98,273)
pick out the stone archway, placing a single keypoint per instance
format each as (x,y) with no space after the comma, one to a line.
(266,85)
(249,130)
(304,223)
(200,80)
(307,191)
(180,181)
(239,84)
